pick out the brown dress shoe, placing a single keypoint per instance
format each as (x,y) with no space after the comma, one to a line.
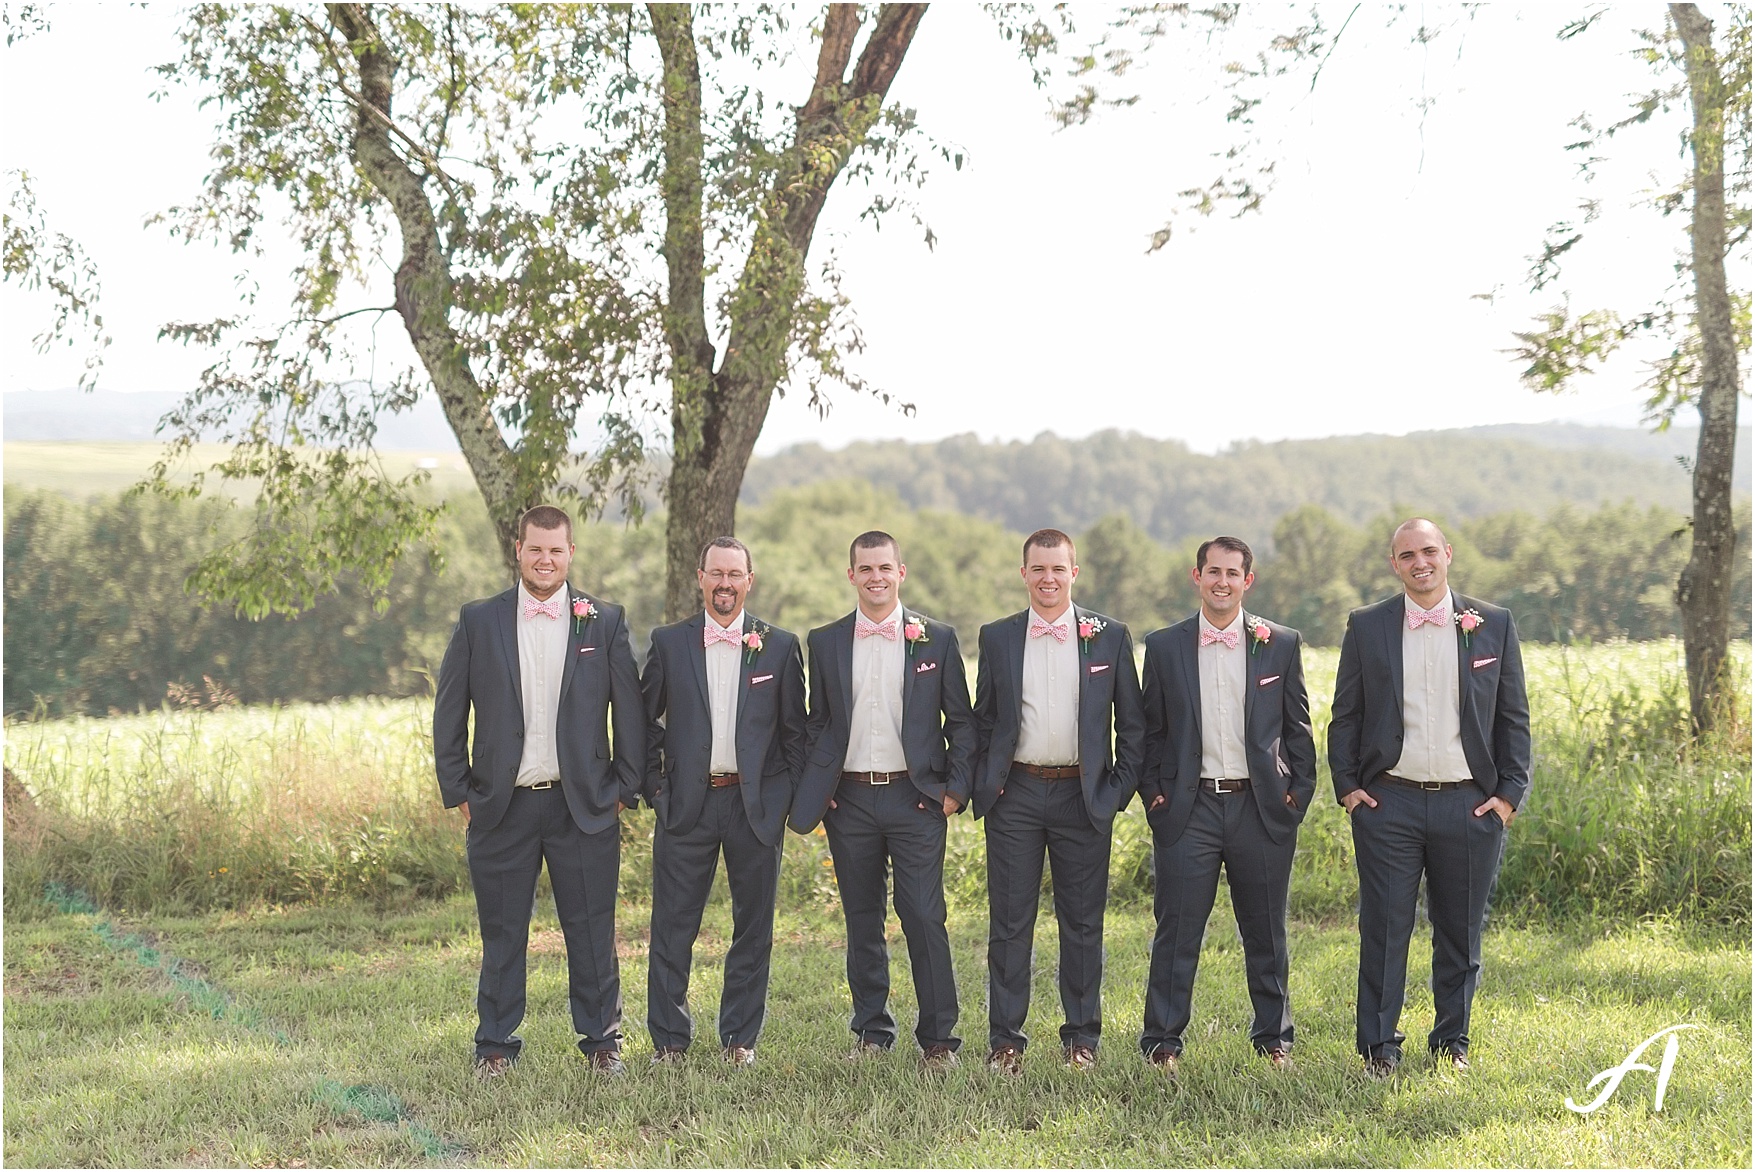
(740,1056)
(1006,1060)
(669,1056)
(1278,1058)
(1165,1060)
(606,1062)
(863,1050)
(1381,1068)
(491,1066)
(939,1057)
(1457,1060)
(1079,1056)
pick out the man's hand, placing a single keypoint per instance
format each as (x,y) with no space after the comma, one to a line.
(620,806)
(1156,802)
(464,806)
(1292,801)
(1500,806)
(832,804)
(1351,800)
(951,806)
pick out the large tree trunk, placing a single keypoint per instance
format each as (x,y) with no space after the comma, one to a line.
(717,415)
(1704,590)
(423,279)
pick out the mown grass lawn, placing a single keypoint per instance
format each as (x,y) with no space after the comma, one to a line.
(111,1062)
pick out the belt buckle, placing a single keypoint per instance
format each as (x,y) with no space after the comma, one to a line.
(876,778)
(1432,786)
(540,785)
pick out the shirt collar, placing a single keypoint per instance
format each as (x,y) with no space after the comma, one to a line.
(1448,605)
(736,623)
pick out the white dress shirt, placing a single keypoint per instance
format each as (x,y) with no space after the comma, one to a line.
(874,727)
(1431,700)
(722,668)
(542,656)
(1222,680)
(1048,728)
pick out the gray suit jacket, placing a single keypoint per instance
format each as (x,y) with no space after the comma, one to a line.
(1109,698)
(771,738)
(1365,734)
(1277,742)
(480,670)
(938,730)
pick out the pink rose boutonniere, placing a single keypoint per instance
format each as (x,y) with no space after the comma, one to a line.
(1470,621)
(753,643)
(914,631)
(583,612)
(1089,628)
(1259,633)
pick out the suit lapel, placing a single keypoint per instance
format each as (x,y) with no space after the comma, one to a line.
(506,614)
(572,642)
(1464,672)
(1188,661)
(1250,674)
(698,657)
(743,676)
(1019,633)
(1077,615)
(1394,619)
(909,675)
(840,644)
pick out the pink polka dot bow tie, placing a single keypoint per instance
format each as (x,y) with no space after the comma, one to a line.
(1208,637)
(1417,618)
(864,628)
(551,608)
(1038,628)
(711,635)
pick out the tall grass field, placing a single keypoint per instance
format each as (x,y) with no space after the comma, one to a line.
(245,937)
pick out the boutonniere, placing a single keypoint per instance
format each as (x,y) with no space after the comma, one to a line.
(752,642)
(1469,621)
(1259,632)
(914,631)
(1089,628)
(583,612)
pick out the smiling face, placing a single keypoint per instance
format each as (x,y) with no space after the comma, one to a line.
(725,582)
(1223,582)
(543,558)
(1048,573)
(876,574)
(1420,557)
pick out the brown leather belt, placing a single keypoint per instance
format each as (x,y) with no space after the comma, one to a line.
(723,780)
(1425,785)
(1048,772)
(1224,785)
(874,777)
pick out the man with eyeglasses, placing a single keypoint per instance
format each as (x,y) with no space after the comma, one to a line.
(725,719)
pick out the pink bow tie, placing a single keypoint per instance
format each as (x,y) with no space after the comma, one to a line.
(1038,628)
(711,634)
(864,628)
(1209,637)
(551,608)
(1418,617)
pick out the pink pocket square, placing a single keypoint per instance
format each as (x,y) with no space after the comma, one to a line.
(586,650)
(754,680)
(1479,663)
(1264,681)
(927,666)
(1097,667)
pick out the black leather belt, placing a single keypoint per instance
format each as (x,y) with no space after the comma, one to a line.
(723,780)
(874,776)
(1224,785)
(1425,785)
(1048,772)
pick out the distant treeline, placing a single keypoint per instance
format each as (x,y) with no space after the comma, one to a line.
(97,620)
(1172,493)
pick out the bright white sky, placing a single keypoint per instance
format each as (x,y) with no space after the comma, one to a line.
(1345,307)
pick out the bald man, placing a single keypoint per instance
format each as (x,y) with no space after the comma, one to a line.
(1430,750)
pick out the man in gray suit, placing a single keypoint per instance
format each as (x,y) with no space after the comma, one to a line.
(1430,751)
(892,758)
(725,715)
(1052,682)
(1230,766)
(544,667)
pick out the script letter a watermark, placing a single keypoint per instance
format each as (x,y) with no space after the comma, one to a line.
(1613,1076)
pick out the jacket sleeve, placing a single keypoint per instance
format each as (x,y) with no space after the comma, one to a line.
(1511,723)
(451,719)
(1297,738)
(959,727)
(1346,721)
(1154,732)
(1130,723)
(627,716)
(654,704)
